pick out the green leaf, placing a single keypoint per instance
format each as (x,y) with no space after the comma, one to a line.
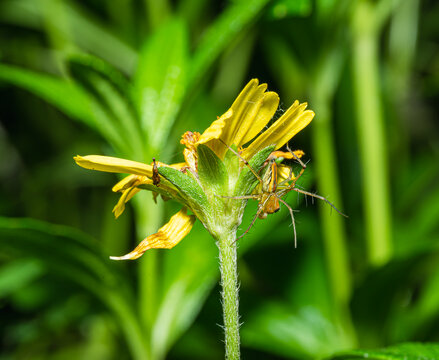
(109,94)
(160,80)
(75,257)
(303,333)
(286,8)
(303,325)
(408,351)
(191,271)
(76,25)
(60,93)
(188,187)
(17,274)
(56,245)
(234,20)
(247,181)
(211,170)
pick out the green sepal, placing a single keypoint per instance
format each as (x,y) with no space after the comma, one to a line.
(165,191)
(231,161)
(189,189)
(247,181)
(211,170)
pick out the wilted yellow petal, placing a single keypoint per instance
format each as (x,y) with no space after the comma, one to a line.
(166,238)
(114,165)
(288,125)
(191,159)
(125,197)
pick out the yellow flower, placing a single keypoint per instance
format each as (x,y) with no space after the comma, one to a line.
(203,176)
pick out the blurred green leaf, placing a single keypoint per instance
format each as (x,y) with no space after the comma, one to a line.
(88,33)
(160,80)
(304,324)
(234,20)
(190,273)
(285,8)
(62,94)
(60,246)
(409,351)
(18,274)
(113,109)
(292,332)
(76,257)
(417,317)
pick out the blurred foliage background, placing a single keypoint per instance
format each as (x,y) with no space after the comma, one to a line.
(126,78)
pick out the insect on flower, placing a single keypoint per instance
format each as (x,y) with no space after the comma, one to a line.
(209,170)
(270,191)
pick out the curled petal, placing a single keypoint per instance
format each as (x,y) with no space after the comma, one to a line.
(114,165)
(288,125)
(125,197)
(167,237)
(130,181)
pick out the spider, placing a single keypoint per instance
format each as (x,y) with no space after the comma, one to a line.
(271,192)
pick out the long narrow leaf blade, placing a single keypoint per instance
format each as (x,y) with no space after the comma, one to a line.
(160,81)
(63,95)
(233,21)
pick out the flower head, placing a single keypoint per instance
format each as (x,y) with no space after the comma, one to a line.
(213,182)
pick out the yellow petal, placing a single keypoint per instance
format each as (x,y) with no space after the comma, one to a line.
(177,166)
(125,197)
(166,238)
(112,164)
(248,115)
(215,129)
(256,119)
(130,181)
(244,110)
(288,125)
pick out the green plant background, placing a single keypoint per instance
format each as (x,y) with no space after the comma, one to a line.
(126,78)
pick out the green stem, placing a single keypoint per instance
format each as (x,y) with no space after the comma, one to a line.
(229,281)
(370,124)
(328,184)
(148,219)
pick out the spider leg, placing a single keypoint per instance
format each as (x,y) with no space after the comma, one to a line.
(290,176)
(251,224)
(292,219)
(321,198)
(288,179)
(261,207)
(243,160)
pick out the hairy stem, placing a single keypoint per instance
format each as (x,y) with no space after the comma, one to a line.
(229,281)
